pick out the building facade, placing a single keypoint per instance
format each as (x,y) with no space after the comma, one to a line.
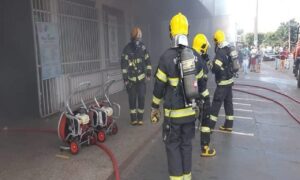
(49,47)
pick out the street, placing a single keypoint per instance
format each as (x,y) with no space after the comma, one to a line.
(264,144)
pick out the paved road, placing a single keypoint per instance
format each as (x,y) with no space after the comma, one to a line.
(273,152)
(268,149)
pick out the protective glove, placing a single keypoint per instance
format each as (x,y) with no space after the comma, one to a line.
(205,56)
(155,115)
(127,85)
(209,64)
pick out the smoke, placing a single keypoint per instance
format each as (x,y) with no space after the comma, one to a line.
(157,14)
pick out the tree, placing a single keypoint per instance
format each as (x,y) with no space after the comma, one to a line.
(271,39)
(278,38)
(249,38)
(281,36)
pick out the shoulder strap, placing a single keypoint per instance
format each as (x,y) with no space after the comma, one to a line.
(179,50)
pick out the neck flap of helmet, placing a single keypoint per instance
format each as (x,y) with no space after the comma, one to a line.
(178,40)
(223,44)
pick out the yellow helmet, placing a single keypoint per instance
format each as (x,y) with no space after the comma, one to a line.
(219,36)
(200,43)
(179,25)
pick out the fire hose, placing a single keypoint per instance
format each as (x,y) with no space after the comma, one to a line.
(275,101)
(260,87)
(53,131)
(112,158)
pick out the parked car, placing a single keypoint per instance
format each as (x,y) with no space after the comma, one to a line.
(269,56)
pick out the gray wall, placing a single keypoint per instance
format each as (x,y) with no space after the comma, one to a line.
(18,90)
(157,14)
(18,70)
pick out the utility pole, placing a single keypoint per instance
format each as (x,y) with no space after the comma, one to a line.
(290,36)
(255,26)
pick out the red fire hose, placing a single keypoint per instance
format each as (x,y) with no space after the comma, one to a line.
(264,97)
(30,130)
(53,131)
(112,158)
(260,87)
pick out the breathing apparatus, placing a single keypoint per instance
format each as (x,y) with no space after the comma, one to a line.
(186,62)
(188,71)
(234,63)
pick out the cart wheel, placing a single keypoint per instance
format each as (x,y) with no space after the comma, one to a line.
(93,139)
(61,129)
(74,147)
(101,136)
(114,129)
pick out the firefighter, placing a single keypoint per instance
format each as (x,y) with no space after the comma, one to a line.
(136,67)
(200,45)
(224,67)
(172,87)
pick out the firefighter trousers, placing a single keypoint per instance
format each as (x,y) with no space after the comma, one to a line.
(222,94)
(204,117)
(136,94)
(178,144)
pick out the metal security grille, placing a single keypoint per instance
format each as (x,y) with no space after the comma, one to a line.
(79,52)
(80,43)
(75,43)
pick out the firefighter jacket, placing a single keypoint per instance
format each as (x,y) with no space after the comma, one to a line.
(135,62)
(168,87)
(204,64)
(222,65)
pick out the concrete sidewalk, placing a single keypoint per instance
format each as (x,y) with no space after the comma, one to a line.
(265,148)
(34,155)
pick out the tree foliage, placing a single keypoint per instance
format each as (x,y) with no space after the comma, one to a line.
(281,36)
(249,39)
(278,38)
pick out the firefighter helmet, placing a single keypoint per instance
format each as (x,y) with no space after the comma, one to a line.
(200,43)
(179,25)
(219,36)
(136,33)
